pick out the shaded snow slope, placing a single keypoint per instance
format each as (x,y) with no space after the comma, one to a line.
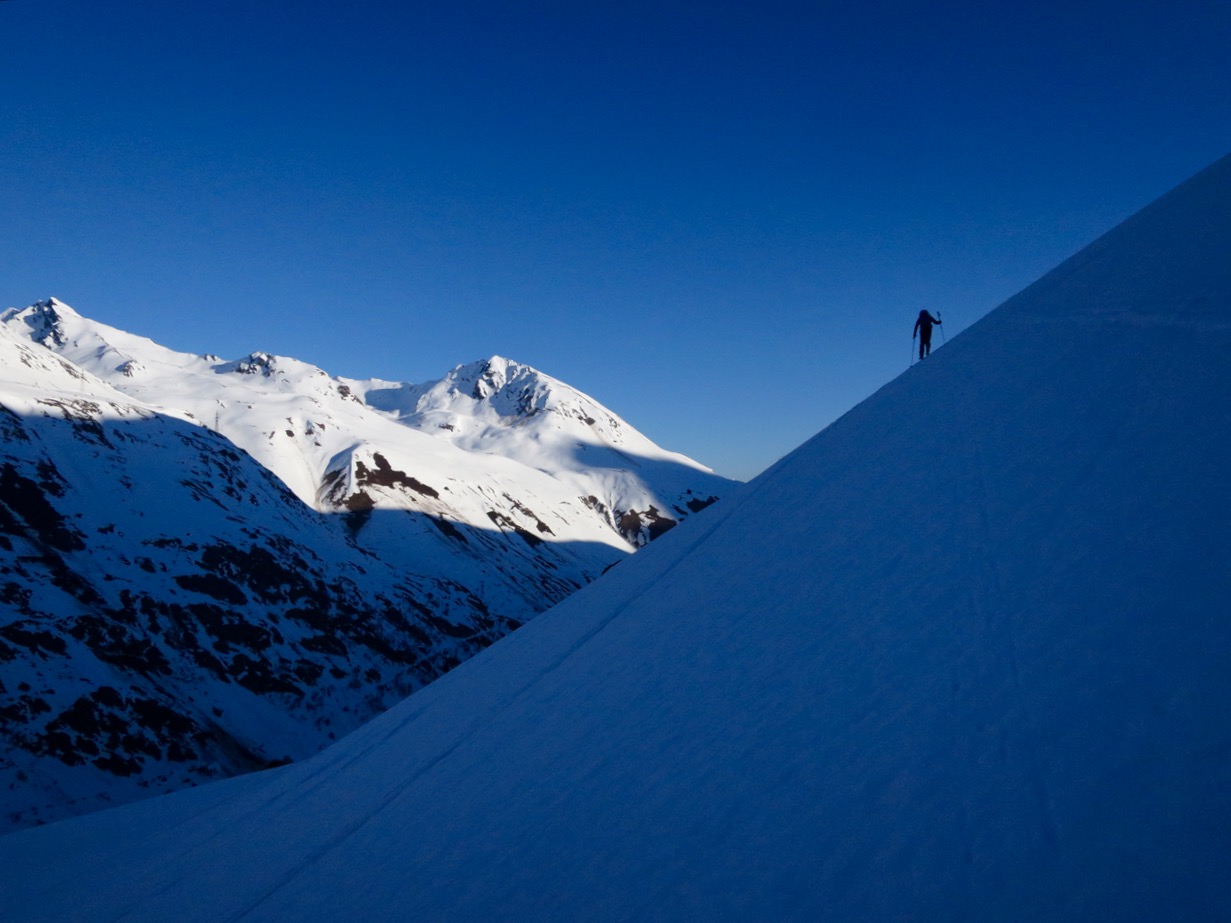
(976,668)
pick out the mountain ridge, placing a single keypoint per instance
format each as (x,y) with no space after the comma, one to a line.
(297,420)
(172,608)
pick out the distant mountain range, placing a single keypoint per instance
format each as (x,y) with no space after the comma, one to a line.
(213,566)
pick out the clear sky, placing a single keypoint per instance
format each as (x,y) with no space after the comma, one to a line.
(719,219)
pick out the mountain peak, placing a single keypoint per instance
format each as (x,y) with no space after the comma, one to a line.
(484,379)
(257,363)
(45,320)
(506,392)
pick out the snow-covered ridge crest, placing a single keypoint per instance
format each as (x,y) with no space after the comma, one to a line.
(499,405)
(484,430)
(516,394)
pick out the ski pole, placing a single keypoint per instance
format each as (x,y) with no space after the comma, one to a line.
(942,329)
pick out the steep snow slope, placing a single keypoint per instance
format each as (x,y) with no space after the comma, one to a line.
(976,669)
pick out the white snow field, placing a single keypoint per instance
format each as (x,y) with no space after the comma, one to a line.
(962,656)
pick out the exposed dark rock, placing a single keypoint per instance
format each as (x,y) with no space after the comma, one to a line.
(29,635)
(325,644)
(12,429)
(260,676)
(27,499)
(640,527)
(113,643)
(503,522)
(24,709)
(230,629)
(260,571)
(359,502)
(697,504)
(527,512)
(449,529)
(387,476)
(84,416)
(213,586)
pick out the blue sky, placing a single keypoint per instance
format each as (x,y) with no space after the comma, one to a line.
(718,219)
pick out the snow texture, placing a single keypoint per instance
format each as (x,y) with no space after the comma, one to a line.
(962,656)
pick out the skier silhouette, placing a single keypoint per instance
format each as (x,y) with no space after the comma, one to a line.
(923,329)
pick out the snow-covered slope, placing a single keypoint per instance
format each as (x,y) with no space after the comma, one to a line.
(146,559)
(976,669)
(502,408)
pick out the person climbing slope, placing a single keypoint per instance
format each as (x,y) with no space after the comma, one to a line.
(923,330)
